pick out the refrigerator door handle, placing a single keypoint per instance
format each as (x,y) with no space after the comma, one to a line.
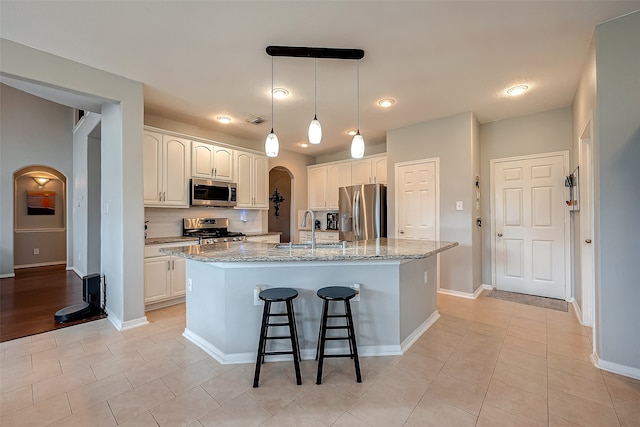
(356,214)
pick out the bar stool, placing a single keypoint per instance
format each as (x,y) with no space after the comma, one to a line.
(287,296)
(337,293)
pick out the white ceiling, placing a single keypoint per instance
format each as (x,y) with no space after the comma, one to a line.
(202,59)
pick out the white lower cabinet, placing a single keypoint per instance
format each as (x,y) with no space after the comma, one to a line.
(164,276)
(321,236)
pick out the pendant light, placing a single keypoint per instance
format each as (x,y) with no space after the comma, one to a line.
(271,144)
(315,130)
(357,144)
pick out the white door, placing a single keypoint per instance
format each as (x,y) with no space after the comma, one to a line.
(529,211)
(201,160)
(244,164)
(152,167)
(223,163)
(261,182)
(416,210)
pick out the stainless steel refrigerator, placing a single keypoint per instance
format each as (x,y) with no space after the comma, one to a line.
(363,212)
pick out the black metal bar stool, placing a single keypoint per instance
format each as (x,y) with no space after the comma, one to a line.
(337,293)
(287,296)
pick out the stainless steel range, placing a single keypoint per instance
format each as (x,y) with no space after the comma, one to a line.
(210,230)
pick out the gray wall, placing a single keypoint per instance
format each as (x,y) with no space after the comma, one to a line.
(122,228)
(451,140)
(544,132)
(617,201)
(33,131)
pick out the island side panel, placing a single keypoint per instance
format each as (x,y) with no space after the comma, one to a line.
(206,306)
(418,300)
(230,329)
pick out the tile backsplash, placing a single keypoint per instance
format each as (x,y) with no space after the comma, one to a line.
(166,222)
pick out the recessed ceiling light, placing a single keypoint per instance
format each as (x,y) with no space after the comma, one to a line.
(224,119)
(386,103)
(351,132)
(280,93)
(303,144)
(517,90)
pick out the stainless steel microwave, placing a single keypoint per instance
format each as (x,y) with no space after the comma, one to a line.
(205,192)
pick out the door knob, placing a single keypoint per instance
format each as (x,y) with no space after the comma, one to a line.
(587,241)
(499,234)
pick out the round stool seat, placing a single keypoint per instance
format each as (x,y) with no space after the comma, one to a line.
(339,293)
(278,294)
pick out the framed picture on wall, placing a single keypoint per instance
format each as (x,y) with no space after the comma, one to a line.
(41,202)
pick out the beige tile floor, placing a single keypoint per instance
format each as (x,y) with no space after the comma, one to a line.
(485,362)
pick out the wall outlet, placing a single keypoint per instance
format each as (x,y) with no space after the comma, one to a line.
(256,292)
(36,251)
(356,287)
(189,285)
(426,277)
(458,205)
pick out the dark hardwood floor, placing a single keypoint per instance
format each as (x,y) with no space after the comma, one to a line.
(29,300)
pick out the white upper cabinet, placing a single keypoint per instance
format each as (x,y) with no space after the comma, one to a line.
(211,161)
(252,177)
(317,187)
(370,170)
(166,164)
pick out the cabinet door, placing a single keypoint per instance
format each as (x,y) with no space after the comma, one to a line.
(177,284)
(361,172)
(243,179)
(156,273)
(202,160)
(176,171)
(317,183)
(223,163)
(152,167)
(379,167)
(261,182)
(338,175)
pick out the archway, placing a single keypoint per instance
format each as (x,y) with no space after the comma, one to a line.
(280,202)
(39,217)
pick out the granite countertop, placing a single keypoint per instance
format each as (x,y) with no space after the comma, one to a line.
(318,230)
(376,249)
(170,239)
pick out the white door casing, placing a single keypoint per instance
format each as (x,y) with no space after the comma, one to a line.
(586,249)
(530,250)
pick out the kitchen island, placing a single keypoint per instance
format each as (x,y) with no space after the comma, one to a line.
(396,303)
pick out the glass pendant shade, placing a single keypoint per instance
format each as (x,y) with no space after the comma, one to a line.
(315,131)
(272,146)
(357,146)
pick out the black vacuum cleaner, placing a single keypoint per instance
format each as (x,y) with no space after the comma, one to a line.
(90,307)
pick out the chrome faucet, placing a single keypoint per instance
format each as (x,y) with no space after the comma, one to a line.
(313,228)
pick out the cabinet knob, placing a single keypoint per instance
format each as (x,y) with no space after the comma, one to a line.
(499,234)
(587,241)
(401,232)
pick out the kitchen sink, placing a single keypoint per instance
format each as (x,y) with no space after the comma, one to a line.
(308,245)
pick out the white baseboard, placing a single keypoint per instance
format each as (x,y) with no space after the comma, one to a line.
(577,310)
(305,354)
(129,324)
(7,276)
(417,333)
(78,272)
(467,295)
(616,368)
(40,264)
